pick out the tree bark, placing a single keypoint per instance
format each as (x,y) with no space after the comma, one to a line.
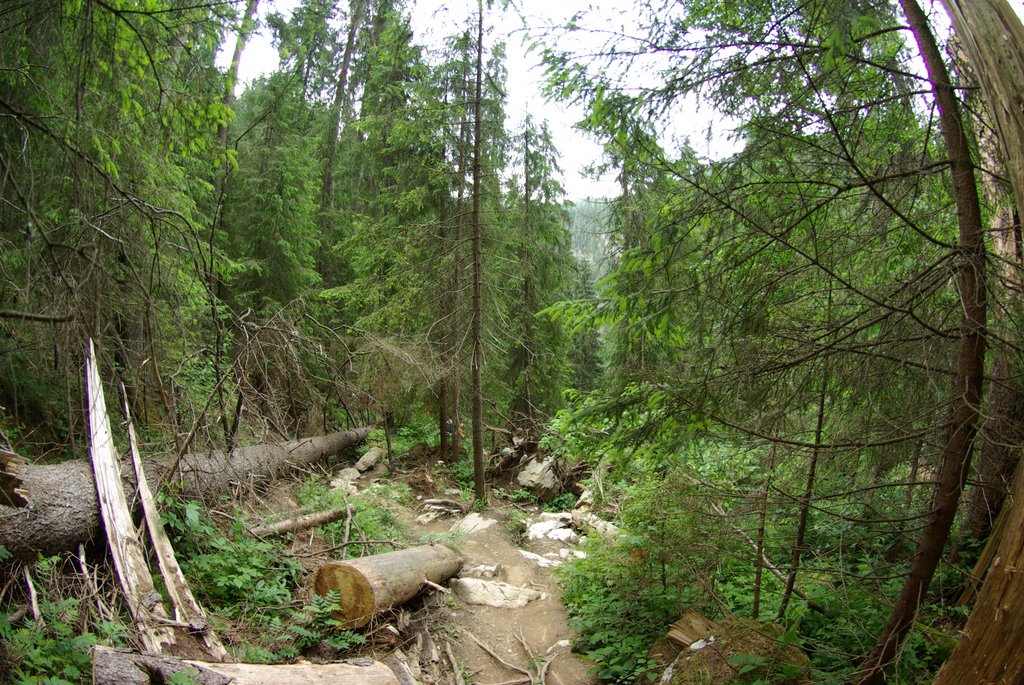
(298,523)
(479,483)
(64,512)
(993,37)
(966,400)
(121,667)
(378,582)
(989,647)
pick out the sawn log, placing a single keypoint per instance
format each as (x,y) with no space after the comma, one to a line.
(381,581)
(63,511)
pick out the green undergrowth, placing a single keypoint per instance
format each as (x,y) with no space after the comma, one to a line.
(257,585)
(54,647)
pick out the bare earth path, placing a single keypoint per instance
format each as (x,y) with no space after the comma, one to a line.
(525,637)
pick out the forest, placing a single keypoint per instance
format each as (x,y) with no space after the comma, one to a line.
(786,377)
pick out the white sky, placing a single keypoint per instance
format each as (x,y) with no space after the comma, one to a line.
(433,20)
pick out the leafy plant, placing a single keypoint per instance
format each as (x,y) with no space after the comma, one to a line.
(53,648)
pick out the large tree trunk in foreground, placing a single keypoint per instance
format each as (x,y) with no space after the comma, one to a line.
(967,391)
(989,648)
(64,512)
(121,667)
(381,581)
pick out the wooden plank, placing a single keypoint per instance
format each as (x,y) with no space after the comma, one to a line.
(187,609)
(121,667)
(144,603)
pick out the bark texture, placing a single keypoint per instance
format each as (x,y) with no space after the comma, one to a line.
(375,583)
(64,511)
(989,649)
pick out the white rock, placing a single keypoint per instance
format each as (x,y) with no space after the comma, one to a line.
(539,477)
(563,516)
(481,571)
(551,528)
(370,459)
(472,523)
(494,594)
(543,562)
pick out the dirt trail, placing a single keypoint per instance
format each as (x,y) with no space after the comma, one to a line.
(526,637)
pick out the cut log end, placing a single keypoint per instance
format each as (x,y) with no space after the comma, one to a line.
(381,581)
(357,597)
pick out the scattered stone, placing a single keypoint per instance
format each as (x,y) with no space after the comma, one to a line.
(553,528)
(542,561)
(538,476)
(494,594)
(370,459)
(472,523)
(585,520)
(481,571)
(447,507)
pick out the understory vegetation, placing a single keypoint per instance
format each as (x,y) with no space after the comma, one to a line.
(782,355)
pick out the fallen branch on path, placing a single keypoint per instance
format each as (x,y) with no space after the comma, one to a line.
(293,525)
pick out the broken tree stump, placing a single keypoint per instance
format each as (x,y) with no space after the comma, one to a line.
(122,667)
(381,581)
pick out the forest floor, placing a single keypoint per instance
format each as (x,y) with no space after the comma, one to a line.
(533,641)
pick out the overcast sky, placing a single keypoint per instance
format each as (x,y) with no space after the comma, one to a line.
(433,20)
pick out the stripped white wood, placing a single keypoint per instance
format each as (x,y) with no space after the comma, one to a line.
(144,603)
(186,608)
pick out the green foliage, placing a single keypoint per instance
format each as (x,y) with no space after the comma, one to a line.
(616,610)
(311,626)
(234,574)
(372,517)
(54,648)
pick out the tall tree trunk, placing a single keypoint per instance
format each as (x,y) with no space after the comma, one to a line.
(479,483)
(527,350)
(805,500)
(330,149)
(762,516)
(992,37)
(966,400)
(244,31)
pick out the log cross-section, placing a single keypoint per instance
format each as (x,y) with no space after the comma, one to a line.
(381,581)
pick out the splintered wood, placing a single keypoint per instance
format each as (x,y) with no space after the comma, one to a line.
(11,492)
(690,628)
(126,548)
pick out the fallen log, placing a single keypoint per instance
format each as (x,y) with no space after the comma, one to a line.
(64,511)
(122,667)
(298,523)
(375,583)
